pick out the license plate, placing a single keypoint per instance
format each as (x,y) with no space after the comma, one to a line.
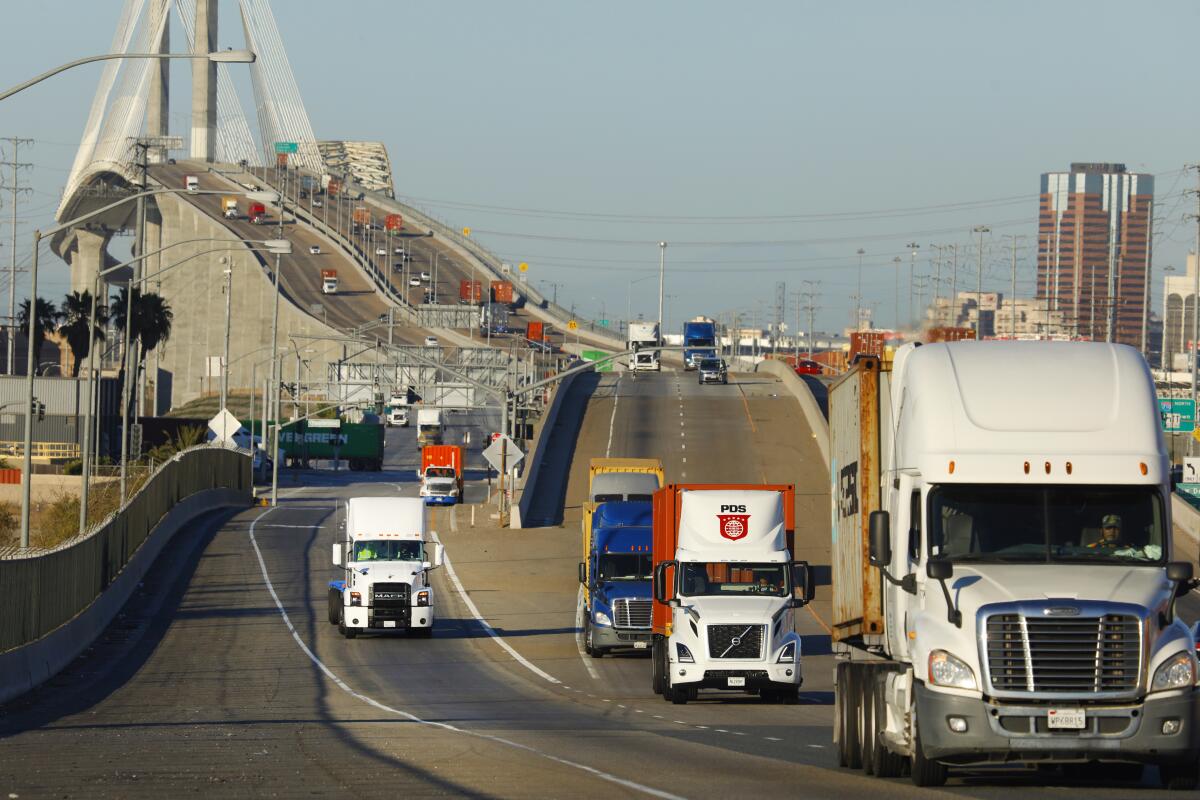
(1066,719)
(640,645)
(735,682)
(389,623)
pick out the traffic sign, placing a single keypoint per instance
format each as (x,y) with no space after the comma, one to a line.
(224,425)
(603,323)
(523,267)
(572,325)
(1191,470)
(466,231)
(1178,415)
(503,453)
(287,147)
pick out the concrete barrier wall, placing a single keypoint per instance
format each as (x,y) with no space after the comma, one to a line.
(537,453)
(808,404)
(26,667)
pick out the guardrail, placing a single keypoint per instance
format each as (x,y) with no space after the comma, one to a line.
(41,449)
(40,593)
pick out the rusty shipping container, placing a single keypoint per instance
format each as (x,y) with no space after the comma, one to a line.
(362,215)
(333,187)
(470,291)
(859,413)
(502,292)
(869,343)
(535,331)
(393,222)
(949,334)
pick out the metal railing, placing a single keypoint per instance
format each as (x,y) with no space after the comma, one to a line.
(40,592)
(41,449)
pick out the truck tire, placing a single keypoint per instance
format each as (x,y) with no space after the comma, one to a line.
(887,763)
(588,643)
(869,742)
(656,665)
(849,738)
(924,771)
(335,606)
(1179,777)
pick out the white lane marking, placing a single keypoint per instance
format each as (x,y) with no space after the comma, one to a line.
(638,711)
(772,739)
(620,706)
(262,565)
(583,656)
(470,604)
(722,730)
(613,419)
(454,518)
(273,525)
(817,746)
(681,433)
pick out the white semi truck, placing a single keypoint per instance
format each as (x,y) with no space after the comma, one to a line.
(726,591)
(385,556)
(642,335)
(1004,581)
(429,427)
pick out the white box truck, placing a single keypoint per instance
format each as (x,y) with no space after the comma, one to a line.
(643,334)
(726,591)
(429,427)
(385,556)
(1004,583)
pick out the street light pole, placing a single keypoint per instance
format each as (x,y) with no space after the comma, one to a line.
(225,359)
(913,247)
(858,309)
(896,311)
(981,230)
(27,458)
(662,271)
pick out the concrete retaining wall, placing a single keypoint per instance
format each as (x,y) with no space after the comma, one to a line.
(538,452)
(808,404)
(25,668)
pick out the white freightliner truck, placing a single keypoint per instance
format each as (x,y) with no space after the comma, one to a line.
(1003,581)
(386,555)
(725,591)
(641,335)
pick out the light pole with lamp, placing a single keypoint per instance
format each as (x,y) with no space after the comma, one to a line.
(981,230)
(225,358)
(662,273)
(913,247)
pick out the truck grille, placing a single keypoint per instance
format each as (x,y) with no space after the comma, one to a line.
(735,641)
(631,613)
(389,595)
(1073,655)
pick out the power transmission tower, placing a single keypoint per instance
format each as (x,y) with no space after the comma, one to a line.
(17,190)
(780,309)
(809,295)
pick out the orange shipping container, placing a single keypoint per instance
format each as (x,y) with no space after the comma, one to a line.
(470,291)
(502,292)
(333,187)
(362,215)
(535,332)
(393,222)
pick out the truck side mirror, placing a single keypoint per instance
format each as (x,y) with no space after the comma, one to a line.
(939,569)
(879,525)
(660,580)
(582,573)
(1179,571)
(419,475)
(803,589)
(337,555)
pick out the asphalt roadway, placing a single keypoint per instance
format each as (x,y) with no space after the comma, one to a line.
(224,676)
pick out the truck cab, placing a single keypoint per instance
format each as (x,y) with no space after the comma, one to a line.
(1015,600)
(615,576)
(191,183)
(643,335)
(384,557)
(329,281)
(726,592)
(699,342)
(441,474)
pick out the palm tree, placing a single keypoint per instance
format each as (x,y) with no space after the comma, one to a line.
(76,311)
(150,325)
(45,319)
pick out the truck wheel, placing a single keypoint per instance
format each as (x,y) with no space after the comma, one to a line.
(887,763)
(1178,777)
(656,671)
(866,719)
(849,739)
(925,772)
(335,606)
(679,695)
(587,636)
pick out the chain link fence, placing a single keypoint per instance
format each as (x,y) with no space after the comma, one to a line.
(38,593)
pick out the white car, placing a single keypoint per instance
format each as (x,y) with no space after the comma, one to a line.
(414,281)
(431,341)
(315,249)
(399,251)
(316,203)
(424,276)
(381,251)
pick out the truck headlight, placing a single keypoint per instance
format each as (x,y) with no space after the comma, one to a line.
(1176,672)
(423,597)
(356,598)
(682,654)
(601,618)
(948,670)
(788,654)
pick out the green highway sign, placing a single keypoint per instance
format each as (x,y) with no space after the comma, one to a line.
(287,147)
(604,323)
(1178,415)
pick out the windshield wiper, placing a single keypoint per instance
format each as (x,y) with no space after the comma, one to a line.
(993,558)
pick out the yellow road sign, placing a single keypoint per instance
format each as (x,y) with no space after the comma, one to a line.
(572,325)
(466,231)
(1196,434)
(523,267)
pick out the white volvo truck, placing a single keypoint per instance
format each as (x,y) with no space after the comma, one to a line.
(1004,583)
(386,555)
(725,592)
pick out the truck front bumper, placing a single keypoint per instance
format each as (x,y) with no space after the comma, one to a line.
(736,676)
(441,500)
(608,637)
(366,618)
(1158,730)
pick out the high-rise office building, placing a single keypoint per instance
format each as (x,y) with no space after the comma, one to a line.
(1094,250)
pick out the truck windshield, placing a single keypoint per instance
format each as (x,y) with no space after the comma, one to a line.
(717,578)
(699,341)
(624,567)
(388,550)
(439,472)
(1105,524)
(710,363)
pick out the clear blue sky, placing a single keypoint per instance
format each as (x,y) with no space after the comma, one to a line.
(629,116)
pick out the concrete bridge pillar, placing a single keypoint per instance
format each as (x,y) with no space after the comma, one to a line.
(157,102)
(204,84)
(89,258)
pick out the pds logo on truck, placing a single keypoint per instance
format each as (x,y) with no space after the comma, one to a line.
(733,526)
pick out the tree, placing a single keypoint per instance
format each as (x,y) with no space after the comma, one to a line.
(76,311)
(149,325)
(45,319)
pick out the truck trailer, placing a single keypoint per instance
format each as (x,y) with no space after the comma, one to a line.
(726,590)
(386,557)
(1004,581)
(229,206)
(615,577)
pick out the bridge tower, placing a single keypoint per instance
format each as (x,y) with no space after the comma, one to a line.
(204,83)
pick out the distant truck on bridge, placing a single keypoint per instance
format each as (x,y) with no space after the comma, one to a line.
(257,212)
(699,341)
(643,335)
(329,281)
(229,207)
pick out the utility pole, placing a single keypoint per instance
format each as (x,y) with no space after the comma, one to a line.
(225,360)
(1149,275)
(936,257)
(810,306)
(913,247)
(17,190)
(981,230)
(954,284)
(858,307)
(1012,323)
(896,311)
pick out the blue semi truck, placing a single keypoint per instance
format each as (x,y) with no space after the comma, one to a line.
(616,577)
(699,342)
